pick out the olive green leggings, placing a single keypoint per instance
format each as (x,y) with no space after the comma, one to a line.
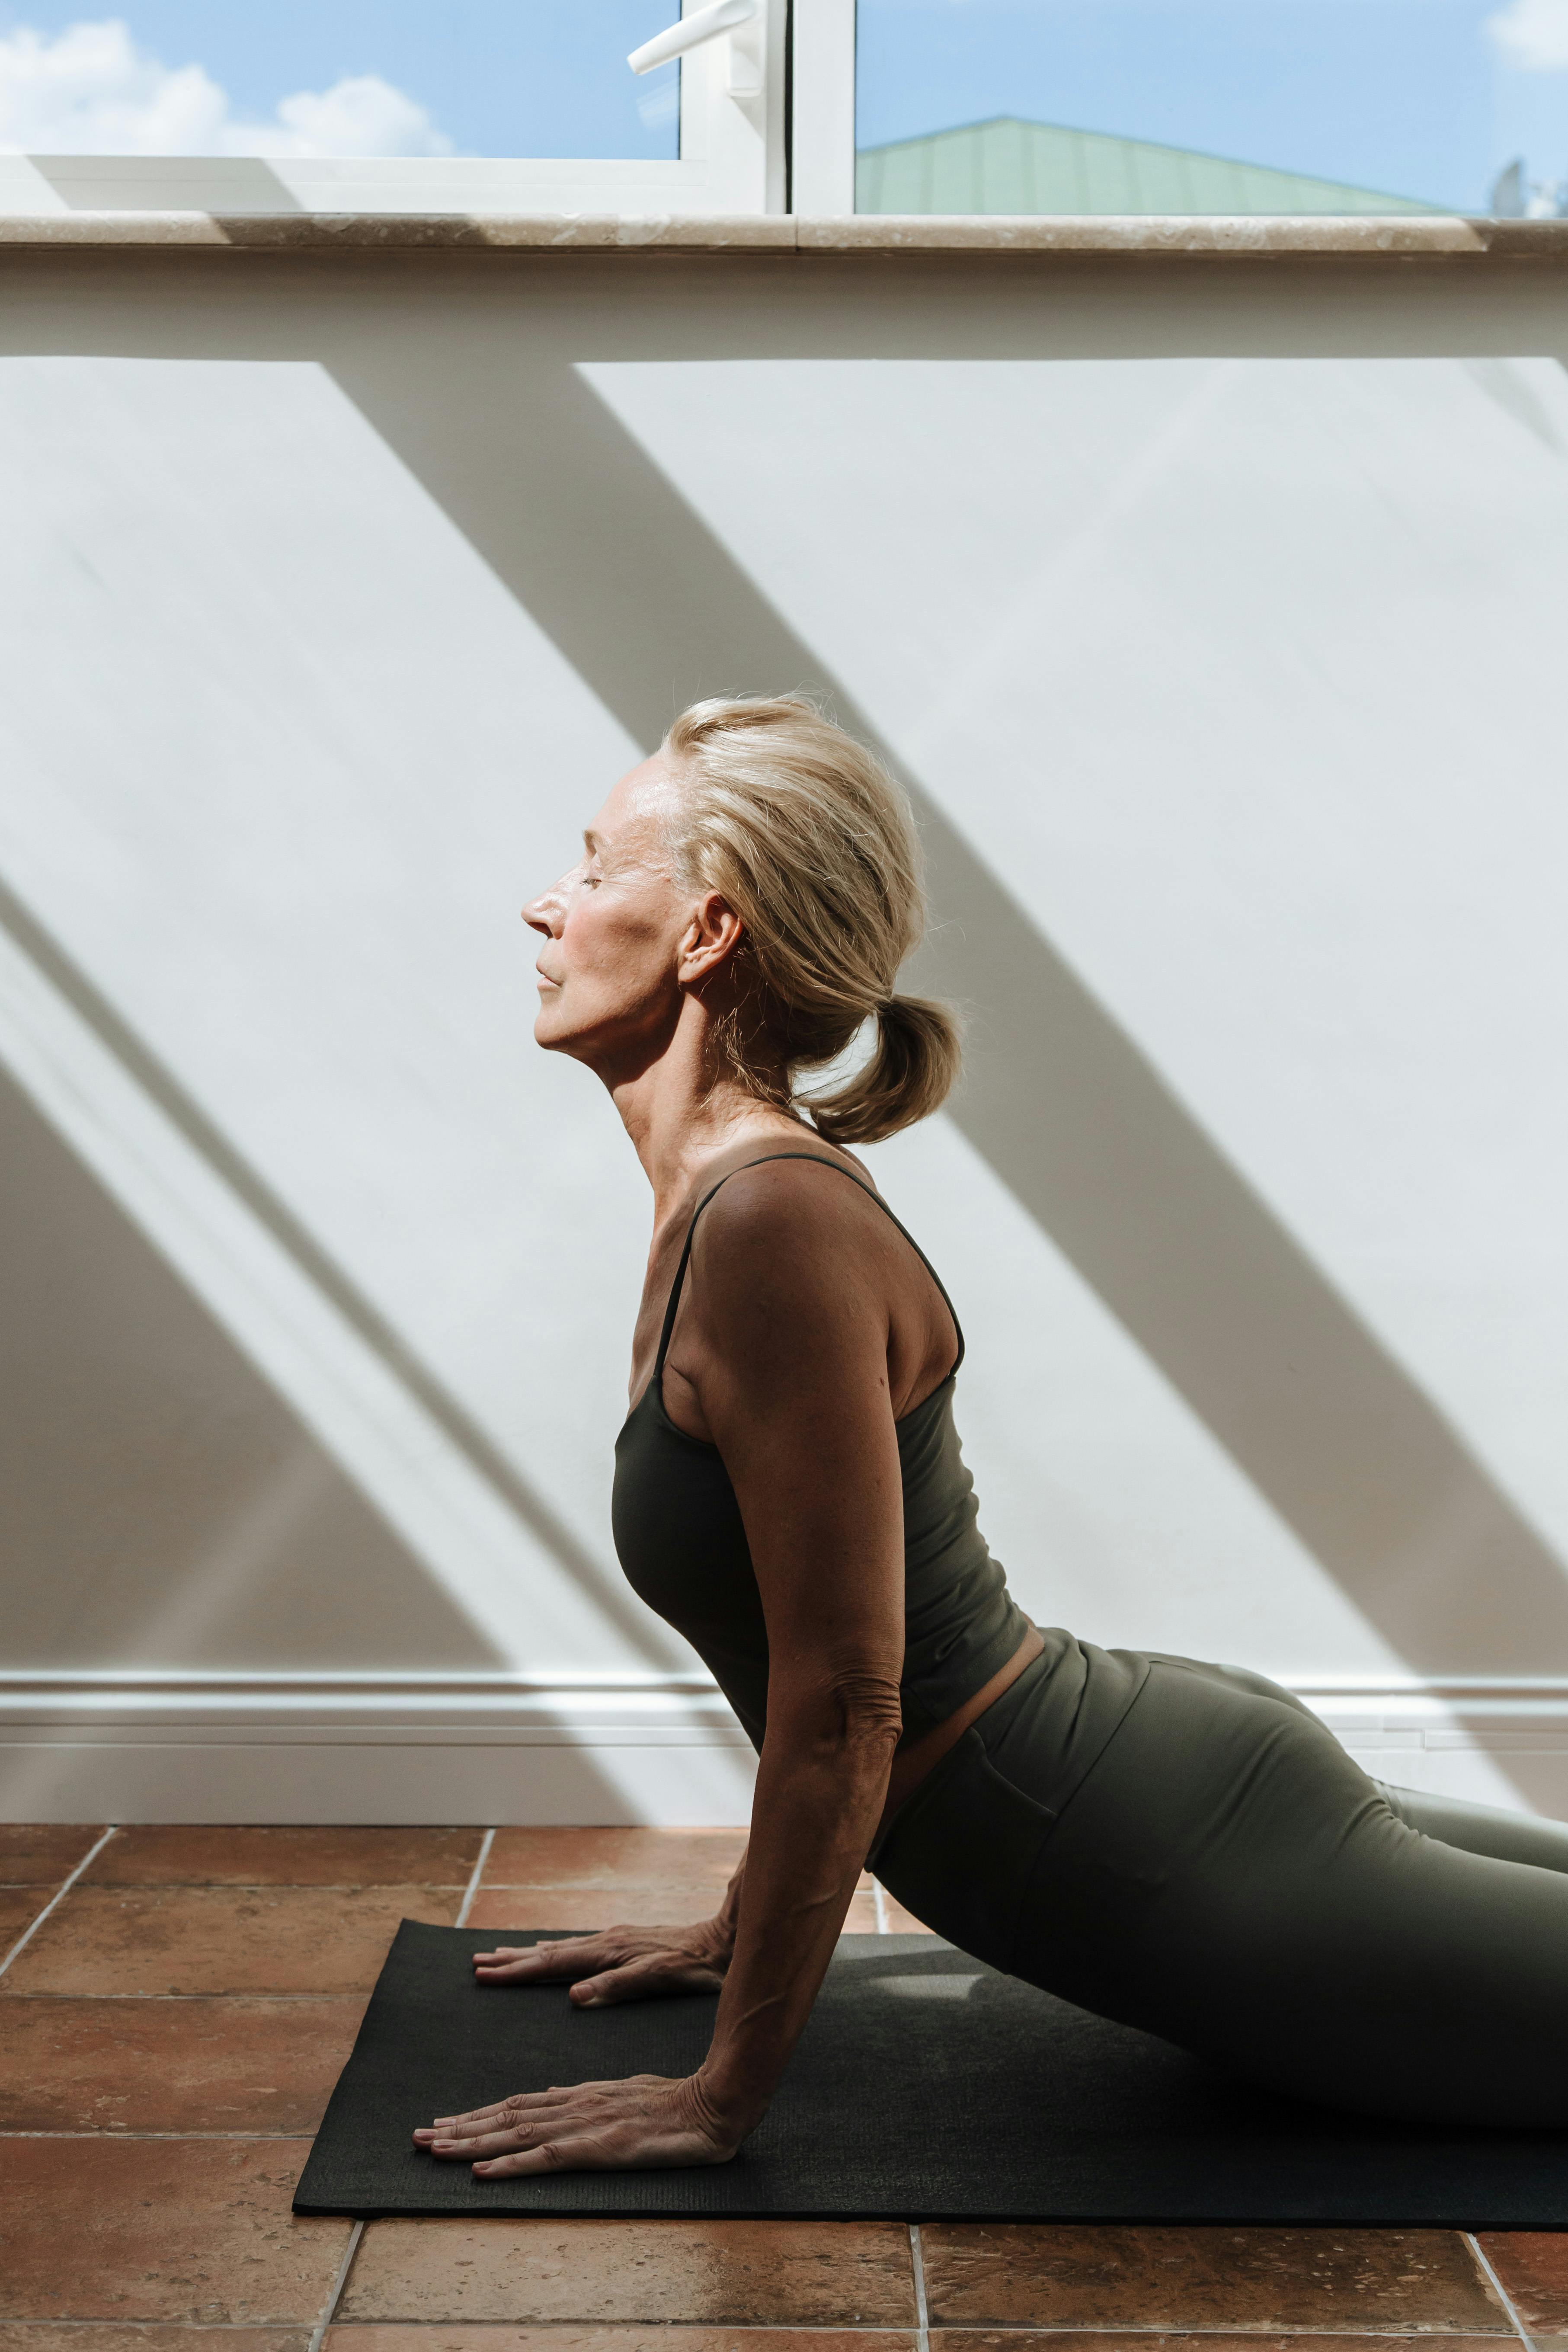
(1225,1876)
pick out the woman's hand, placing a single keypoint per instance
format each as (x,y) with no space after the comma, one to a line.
(644,2122)
(617,1964)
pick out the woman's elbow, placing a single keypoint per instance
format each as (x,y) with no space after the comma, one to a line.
(859,1712)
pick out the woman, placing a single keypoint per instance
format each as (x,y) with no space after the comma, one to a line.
(1179,1846)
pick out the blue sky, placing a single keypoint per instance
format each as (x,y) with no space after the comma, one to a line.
(1411,96)
(498,77)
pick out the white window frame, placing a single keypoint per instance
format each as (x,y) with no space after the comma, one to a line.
(823,110)
(733,158)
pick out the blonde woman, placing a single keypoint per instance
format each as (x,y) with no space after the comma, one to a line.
(1181,1846)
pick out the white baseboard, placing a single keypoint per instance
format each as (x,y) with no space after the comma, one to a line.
(611,1749)
(669,1787)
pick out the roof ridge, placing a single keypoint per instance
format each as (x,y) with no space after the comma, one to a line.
(1154,146)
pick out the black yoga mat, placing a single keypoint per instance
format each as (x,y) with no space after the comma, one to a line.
(926,2087)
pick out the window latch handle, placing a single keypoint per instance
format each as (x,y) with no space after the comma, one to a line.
(706,24)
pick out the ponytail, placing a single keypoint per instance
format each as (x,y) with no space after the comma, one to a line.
(911,1074)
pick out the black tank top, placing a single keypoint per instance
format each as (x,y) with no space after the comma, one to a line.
(681,1541)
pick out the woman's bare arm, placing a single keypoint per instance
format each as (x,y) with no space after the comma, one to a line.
(785,1346)
(792,1327)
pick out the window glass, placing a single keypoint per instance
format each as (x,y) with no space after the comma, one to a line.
(307,77)
(1211,106)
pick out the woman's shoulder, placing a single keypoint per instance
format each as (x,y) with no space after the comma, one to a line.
(806,1178)
(786,1271)
(802,1197)
(797,1260)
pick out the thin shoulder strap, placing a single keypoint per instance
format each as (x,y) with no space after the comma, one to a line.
(819,1160)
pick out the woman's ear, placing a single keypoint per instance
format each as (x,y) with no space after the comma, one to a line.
(709,940)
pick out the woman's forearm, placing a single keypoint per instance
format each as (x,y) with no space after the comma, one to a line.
(727,1917)
(821,1785)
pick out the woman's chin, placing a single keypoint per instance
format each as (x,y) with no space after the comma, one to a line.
(556,1035)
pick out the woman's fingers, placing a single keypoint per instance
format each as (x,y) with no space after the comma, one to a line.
(590,2144)
(644,2119)
(570,1956)
(617,1964)
(563,2154)
(527,2110)
(496,2142)
(645,1979)
(531,2117)
(482,2119)
(631,1982)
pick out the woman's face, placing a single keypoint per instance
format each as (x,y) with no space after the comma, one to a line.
(611,966)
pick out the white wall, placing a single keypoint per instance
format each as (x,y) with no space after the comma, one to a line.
(1215,615)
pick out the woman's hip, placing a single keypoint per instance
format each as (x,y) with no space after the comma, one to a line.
(1054,1838)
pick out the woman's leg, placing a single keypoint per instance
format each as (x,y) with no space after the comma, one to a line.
(1492,1830)
(1482,1829)
(1240,1887)
(1227,1877)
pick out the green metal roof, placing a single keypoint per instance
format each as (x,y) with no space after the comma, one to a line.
(1010,167)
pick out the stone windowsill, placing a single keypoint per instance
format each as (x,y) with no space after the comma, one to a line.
(1169,236)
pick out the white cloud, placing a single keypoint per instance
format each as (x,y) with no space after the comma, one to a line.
(91,91)
(1532,34)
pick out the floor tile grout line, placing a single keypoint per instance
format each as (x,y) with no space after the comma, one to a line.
(1427,2339)
(57,1897)
(918,2265)
(880,1900)
(1503,2297)
(362,1995)
(110,2132)
(269,1886)
(339,2283)
(473,1886)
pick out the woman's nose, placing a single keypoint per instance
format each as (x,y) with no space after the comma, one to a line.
(544,913)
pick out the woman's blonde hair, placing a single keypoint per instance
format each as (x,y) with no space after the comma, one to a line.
(807,837)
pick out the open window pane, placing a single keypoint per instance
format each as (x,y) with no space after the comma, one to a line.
(1211,106)
(305,78)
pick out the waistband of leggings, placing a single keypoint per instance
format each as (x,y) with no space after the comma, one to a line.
(1112,1684)
(998,1715)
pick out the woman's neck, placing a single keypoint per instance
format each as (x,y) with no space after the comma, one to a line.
(681,1113)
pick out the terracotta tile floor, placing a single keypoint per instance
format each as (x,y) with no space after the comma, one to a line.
(177,2010)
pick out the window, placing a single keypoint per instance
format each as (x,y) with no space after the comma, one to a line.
(1211,106)
(384,105)
(892,106)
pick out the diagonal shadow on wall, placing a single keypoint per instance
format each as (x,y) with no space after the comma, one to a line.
(362,1315)
(160,1491)
(652,611)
